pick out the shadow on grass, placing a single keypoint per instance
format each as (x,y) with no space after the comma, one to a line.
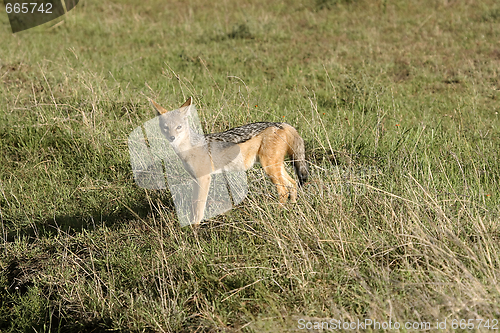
(73,224)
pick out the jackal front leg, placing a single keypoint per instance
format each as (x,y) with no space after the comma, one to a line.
(201,187)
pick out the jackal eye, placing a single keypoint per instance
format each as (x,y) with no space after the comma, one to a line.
(179,127)
(166,128)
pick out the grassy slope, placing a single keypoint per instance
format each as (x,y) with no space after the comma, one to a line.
(398,102)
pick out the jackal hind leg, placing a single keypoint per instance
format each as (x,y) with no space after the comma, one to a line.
(292,185)
(274,168)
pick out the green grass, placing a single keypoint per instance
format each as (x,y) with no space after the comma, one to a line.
(397,101)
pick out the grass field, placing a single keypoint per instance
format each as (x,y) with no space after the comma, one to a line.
(397,101)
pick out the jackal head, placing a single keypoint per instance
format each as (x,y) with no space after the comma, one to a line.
(174,125)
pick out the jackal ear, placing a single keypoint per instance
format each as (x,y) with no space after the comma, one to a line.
(185,108)
(186,103)
(159,109)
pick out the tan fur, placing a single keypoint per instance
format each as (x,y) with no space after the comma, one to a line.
(270,148)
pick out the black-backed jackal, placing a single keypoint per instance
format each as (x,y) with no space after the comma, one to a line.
(234,150)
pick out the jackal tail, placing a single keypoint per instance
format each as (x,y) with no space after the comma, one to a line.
(296,150)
